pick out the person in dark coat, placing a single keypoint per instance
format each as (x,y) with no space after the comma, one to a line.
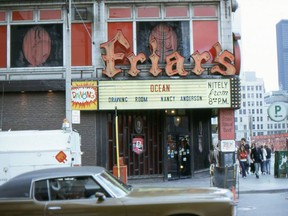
(252,166)
(256,157)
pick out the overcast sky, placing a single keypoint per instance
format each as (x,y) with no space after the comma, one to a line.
(258,20)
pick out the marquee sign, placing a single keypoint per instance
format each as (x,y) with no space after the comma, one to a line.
(169,94)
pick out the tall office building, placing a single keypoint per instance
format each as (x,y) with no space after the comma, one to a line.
(250,119)
(282,53)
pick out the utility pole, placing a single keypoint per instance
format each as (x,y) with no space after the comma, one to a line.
(68,65)
(251,127)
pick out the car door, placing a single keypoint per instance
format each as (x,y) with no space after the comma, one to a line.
(15,207)
(85,207)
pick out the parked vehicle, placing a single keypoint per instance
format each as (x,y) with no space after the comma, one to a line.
(94,191)
(22,151)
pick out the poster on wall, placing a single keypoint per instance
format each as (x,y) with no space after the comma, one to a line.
(138,145)
(37,45)
(84,95)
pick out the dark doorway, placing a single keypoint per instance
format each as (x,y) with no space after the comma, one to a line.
(178,148)
(178,156)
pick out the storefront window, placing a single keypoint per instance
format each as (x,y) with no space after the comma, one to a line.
(31,45)
(3,45)
(82,45)
(148,12)
(22,15)
(176,11)
(2,16)
(50,14)
(203,40)
(205,10)
(127,30)
(120,12)
(170,36)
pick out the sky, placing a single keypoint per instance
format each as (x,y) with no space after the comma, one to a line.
(258,19)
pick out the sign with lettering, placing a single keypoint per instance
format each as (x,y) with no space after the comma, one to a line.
(227,146)
(174,61)
(165,94)
(84,95)
(226,123)
(277,111)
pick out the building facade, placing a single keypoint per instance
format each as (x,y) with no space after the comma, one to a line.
(282,53)
(138,80)
(252,119)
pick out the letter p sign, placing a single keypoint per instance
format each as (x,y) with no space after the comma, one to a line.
(277,111)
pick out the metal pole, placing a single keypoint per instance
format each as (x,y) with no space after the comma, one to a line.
(251,127)
(117,142)
(68,66)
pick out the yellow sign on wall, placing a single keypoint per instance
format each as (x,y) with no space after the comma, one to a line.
(84,95)
(165,94)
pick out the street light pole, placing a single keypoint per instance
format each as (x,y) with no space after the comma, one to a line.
(251,127)
(68,65)
(117,143)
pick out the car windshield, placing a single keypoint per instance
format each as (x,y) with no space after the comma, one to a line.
(115,186)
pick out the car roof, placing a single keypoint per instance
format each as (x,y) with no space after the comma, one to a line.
(23,181)
(59,172)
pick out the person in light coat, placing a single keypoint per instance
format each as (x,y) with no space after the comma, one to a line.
(263,163)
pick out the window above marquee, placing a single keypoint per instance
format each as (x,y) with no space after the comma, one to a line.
(161,11)
(2,16)
(148,12)
(120,12)
(204,11)
(36,36)
(33,16)
(177,11)
(50,15)
(83,13)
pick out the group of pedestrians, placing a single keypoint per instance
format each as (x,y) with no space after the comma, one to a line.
(254,159)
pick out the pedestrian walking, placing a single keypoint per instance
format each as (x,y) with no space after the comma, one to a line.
(252,165)
(242,158)
(263,163)
(256,157)
(268,159)
(248,150)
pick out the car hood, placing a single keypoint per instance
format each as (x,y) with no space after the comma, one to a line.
(181,193)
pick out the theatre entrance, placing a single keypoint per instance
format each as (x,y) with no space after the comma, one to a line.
(178,149)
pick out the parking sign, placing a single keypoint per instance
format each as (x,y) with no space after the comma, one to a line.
(277,111)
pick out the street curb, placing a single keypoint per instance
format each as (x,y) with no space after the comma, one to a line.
(283,190)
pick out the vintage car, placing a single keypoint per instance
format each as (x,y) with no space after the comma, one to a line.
(94,191)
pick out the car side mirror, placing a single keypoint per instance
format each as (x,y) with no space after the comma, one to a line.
(100,196)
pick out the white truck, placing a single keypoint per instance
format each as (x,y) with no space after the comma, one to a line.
(22,151)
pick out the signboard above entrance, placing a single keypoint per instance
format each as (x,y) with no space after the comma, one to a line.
(168,94)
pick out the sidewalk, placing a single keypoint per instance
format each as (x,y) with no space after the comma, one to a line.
(266,183)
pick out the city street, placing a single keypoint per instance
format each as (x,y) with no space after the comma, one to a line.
(267,195)
(262,204)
